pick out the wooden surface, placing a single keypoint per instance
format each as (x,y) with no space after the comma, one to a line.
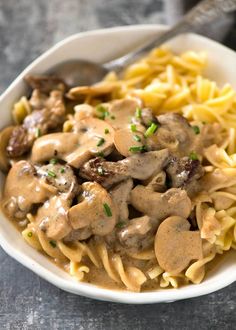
(27,28)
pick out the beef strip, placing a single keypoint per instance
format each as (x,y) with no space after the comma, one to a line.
(39,122)
(184,172)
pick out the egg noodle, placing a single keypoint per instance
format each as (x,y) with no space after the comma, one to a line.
(166,82)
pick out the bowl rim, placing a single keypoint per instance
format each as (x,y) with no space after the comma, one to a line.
(89,290)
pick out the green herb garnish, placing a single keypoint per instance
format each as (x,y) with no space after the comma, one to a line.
(138,113)
(135,149)
(133,127)
(62,170)
(37,132)
(151,130)
(53,244)
(137,138)
(196,129)
(193,155)
(104,113)
(107,210)
(106,131)
(113,117)
(53,161)
(100,170)
(51,174)
(30,234)
(120,224)
(100,142)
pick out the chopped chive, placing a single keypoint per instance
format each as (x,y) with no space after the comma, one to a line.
(100,142)
(193,155)
(62,170)
(103,111)
(135,149)
(52,174)
(151,130)
(106,131)
(137,138)
(113,117)
(37,132)
(138,113)
(30,234)
(196,129)
(120,224)
(100,170)
(133,127)
(107,210)
(53,244)
(53,161)
(100,154)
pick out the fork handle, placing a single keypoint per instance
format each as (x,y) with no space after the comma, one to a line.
(203,13)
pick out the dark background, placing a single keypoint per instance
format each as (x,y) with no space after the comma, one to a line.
(28,28)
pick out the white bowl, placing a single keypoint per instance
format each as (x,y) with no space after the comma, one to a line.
(101,46)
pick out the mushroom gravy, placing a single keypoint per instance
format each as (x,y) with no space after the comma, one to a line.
(130,191)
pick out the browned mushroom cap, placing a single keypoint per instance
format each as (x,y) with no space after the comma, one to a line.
(161,205)
(23,189)
(176,245)
(94,90)
(96,210)
(126,141)
(75,148)
(121,113)
(5,135)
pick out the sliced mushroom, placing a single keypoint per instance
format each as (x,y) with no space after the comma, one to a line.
(126,142)
(96,210)
(140,166)
(132,235)
(161,205)
(75,148)
(61,177)
(23,189)
(175,133)
(52,218)
(102,88)
(122,112)
(180,129)
(120,195)
(5,135)
(176,245)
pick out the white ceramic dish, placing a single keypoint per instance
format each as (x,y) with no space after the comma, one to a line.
(101,46)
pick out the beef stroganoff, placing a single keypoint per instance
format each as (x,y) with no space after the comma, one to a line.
(129,183)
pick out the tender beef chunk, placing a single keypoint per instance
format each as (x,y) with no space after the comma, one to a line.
(19,142)
(183,171)
(45,84)
(61,177)
(103,172)
(39,122)
(147,117)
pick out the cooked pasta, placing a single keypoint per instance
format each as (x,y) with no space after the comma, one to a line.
(162,245)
